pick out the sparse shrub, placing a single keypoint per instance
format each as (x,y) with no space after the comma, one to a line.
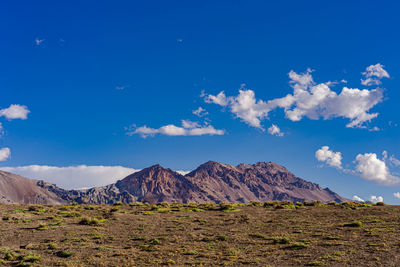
(353,224)
(208,206)
(115,210)
(268,204)
(255,203)
(317,203)
(9,256)
(316,263)
(146,212)
(52,245)
(191,252)
(64,254)
(221,238)
(118,204)
(286,205)
(170,262)
(281,240)
(332,203)
(258,235)
(155,241)
(380,203)
(308,203)
(29,258)
(299,245)
(136,204)
(42,227)
(89,221)
(226,206)
(192,205)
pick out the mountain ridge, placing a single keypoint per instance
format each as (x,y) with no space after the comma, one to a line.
(210,182)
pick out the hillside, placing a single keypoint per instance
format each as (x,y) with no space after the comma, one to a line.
(18,189)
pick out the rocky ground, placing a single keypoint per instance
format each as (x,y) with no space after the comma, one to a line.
(270,234)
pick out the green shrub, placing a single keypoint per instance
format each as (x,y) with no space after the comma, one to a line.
(89,221)
(299,245)
(270,204)
(281,240)
(255,203)
(29,258)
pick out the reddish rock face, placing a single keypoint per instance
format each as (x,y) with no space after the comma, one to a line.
(210,182)
(215,182)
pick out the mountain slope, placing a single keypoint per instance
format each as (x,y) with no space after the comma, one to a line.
(211,181)
(18,189)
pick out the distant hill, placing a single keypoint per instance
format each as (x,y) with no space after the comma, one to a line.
(18,189)
(210,182)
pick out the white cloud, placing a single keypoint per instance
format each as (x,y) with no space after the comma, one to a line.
(1,129)
(15,112)
(373,75)
(333,159)
(371,168)
(396,195)
(219,99)
(275,130)
(394,161)
(244,106)
(375,199)
(357,198)
(200,112)
(308,99)
(39,41)
(188,128)
(73,177)
(5,153)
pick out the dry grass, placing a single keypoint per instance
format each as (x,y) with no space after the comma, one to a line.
(258,234)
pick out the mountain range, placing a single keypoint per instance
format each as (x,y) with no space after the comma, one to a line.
(210,182)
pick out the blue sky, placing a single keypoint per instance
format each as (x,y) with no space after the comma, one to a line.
(91,72)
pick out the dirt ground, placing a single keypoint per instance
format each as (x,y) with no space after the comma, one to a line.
(271,234)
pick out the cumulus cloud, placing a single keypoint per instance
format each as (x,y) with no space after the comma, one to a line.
(311,100)
(275,130)
(371,168)
(357,198)
(396,195)
(375,199)
(333,159)
(368,166)
(15,112)
(73,177)
(219,99)
(5,153)
(200,112)
(373,75)
(188,128)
